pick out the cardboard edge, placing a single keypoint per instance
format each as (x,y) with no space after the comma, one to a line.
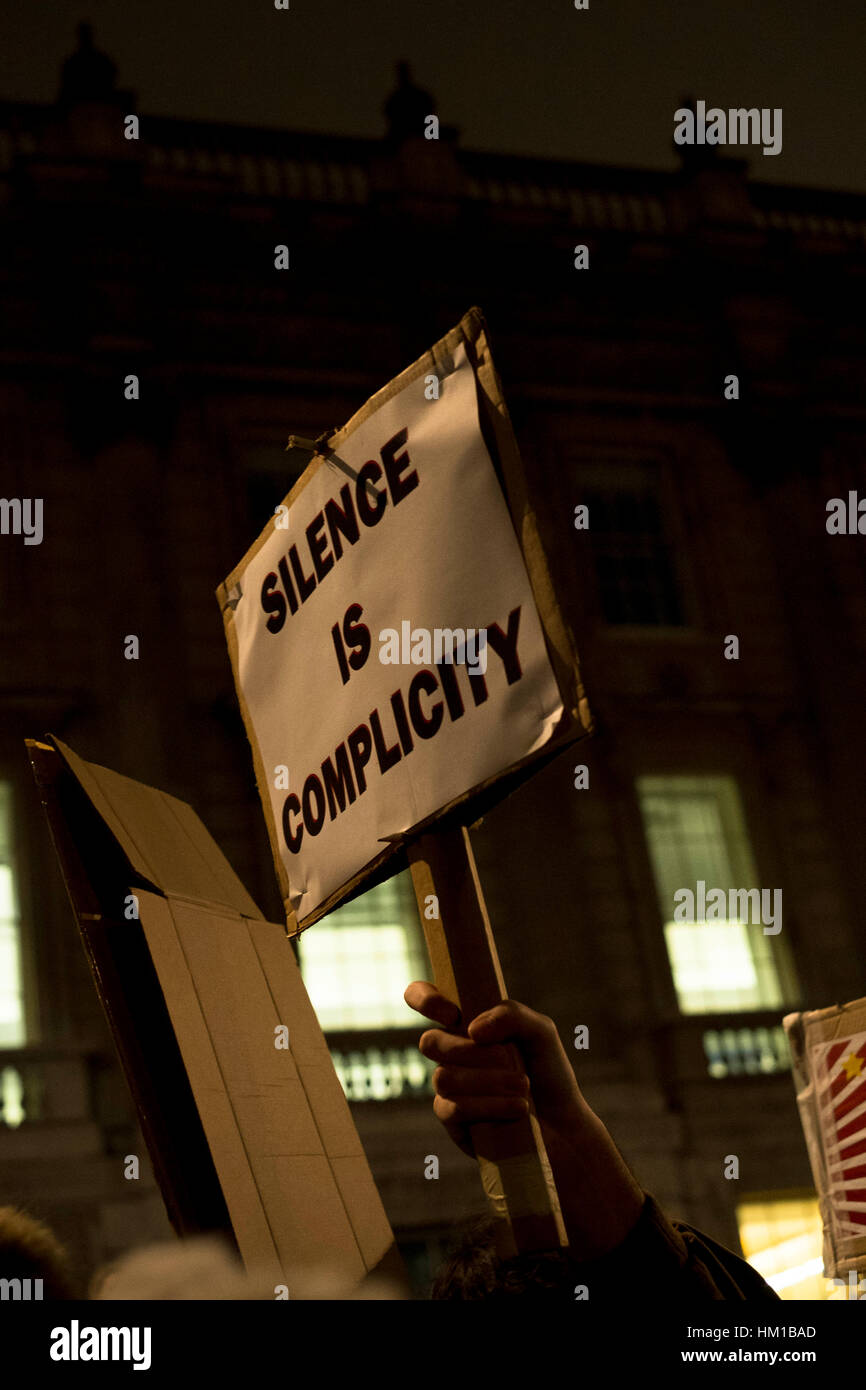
(197,842)
(260,774)
(561,645)
(81,771)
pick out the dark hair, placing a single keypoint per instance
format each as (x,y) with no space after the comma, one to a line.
(29,1250)
(473,1270)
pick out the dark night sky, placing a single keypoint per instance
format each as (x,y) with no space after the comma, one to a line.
(520,76)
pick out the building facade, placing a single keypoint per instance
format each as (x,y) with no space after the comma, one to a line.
(697,387)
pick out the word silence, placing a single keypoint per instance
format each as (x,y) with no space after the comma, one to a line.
(297,577)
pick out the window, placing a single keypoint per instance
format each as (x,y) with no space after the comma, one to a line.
(357,961)
(697,841)
(631,550)
(750,1051)
(12,1029)
(781,1236)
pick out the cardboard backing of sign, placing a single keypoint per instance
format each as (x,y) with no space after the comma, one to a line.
(559,640)
(244,1116)
(828,1047)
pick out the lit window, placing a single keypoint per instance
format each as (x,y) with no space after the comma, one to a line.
(782,1238)
(357,961)
(734,1051)
(696,834)
(12,1033)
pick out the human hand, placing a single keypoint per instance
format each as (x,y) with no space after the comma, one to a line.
(479,1077)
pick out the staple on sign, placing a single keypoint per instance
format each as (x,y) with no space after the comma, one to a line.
(299,441)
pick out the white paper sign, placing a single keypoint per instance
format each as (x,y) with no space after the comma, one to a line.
(405,534)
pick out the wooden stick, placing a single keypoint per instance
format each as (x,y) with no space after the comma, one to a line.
(515,1170)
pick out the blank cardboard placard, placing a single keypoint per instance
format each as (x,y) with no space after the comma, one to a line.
(162,837)
(299,1193)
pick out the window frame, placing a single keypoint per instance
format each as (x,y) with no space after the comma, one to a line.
(738,849)
(415,950)
(652,748)
(610,458)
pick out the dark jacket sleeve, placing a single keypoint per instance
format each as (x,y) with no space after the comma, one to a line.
(671,1260)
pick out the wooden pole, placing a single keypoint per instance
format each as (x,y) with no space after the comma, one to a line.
(515,1170)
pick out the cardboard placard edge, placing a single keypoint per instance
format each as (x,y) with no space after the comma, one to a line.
(85,773)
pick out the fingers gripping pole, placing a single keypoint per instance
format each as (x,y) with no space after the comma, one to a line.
(515,1170)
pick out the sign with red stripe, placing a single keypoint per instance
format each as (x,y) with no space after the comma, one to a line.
(839,1069)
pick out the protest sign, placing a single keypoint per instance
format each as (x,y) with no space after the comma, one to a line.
(828,1050)
(395,641)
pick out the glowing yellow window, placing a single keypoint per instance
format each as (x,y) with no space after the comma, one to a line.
(781,1237)
(696,834)
(357,961)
